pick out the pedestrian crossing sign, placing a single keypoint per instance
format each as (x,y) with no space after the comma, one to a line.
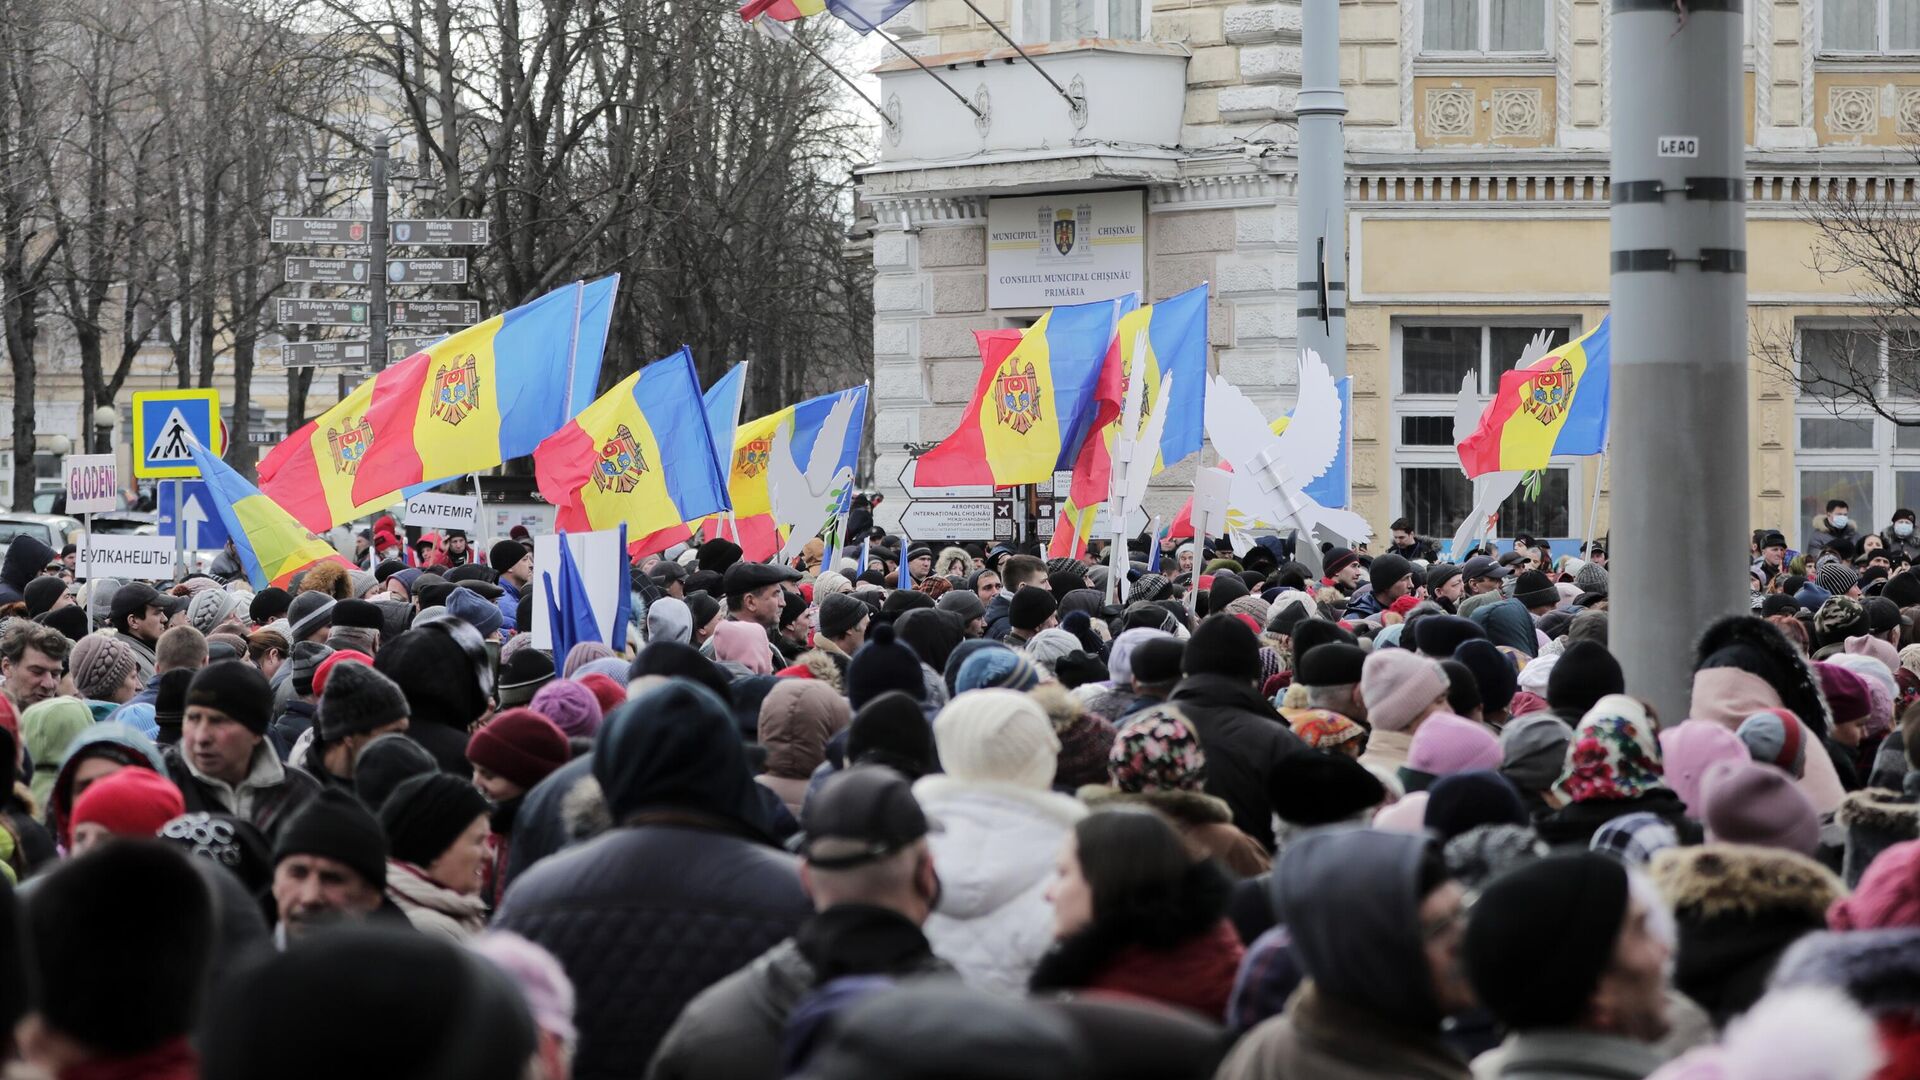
(166,423)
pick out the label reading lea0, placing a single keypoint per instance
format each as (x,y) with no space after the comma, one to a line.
(1679,146)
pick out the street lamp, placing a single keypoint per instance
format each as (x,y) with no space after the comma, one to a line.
(104,418)
(317,185)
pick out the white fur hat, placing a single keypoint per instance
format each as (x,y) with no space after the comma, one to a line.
(997,735)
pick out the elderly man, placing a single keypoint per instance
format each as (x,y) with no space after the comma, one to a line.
(329,866)
(223,761)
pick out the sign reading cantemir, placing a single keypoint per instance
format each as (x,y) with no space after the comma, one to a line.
(1065,249)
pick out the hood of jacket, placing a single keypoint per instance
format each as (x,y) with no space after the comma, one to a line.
(1755,645)
(25,558)
(675,748)
(797,718)
(996,840)
(1714,881)
(1508,623)
(1350,899)
(107,739)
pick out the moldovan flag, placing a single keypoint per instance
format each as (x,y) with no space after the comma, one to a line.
(781,10)
(272,545)
(722,402)
(755,530)
(1033,404)
(310,474)
(473,400)
(1557,406)
(641,454)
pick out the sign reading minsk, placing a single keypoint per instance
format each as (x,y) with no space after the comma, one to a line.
(1065,249)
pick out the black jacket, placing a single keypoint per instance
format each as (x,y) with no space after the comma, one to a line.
(1572,826)
(1243,739)
(1000,616)
(646,917)
(448,745)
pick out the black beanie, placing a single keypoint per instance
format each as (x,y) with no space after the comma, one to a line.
(717,554)
(362,614)
(1585,673)
(1334,664)
(71,621)
(1541,935)
(1387,570)
(1492,672)
(384,763)
(891,730)
(111,983)
(886,663)
(269,604)
(442,679)
(677,659)
(1030,608)
(426,814)
(1156,661)
(1222,645)
(1903,588)
(1534,589)
(1318,787)
(1225,590)
(1310,633)
(1439,635)
(839,613)
(357,700)
(1469,800)
(333,825)
(40,594)
(704,606)
(505,555)
(236,688)
(170,698)
(1463,690)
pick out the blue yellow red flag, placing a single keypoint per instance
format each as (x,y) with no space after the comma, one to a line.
(1557,406)
(273,547)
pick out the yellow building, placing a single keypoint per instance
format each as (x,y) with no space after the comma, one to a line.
(1477,212)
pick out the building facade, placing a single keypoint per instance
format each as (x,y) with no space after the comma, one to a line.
(1477,203)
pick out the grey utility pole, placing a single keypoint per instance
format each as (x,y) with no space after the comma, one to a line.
(1322,198)
(1678,435)
(377,272)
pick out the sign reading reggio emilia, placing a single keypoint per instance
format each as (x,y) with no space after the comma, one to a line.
(1065,249)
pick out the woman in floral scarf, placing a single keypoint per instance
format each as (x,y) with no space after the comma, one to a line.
(1612,769)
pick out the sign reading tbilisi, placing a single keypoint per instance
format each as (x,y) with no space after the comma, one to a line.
(1065,249)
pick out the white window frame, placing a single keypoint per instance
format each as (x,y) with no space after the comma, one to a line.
(1403,405)
(1882,34)
(1484,10)
(1885,458)
(1102,17)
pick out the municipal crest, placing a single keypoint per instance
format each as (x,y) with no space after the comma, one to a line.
(349,446)
(1016,396)
(621,463)
(751,460)
(1549,392)
(456,389)
(1064,230)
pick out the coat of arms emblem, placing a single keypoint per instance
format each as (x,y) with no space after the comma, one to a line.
(1016,396)
(1548,393)
(456,389)
(751,460)
(349,446)
(621,463)
(1064,230)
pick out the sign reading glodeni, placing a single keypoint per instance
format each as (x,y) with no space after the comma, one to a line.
(1065,249)
(93,483)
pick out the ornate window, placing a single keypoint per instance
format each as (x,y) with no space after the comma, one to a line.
(1870,26)
(1070,20)
(1489,28)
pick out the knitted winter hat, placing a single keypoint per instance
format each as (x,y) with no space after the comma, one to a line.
(1542,935)
(1750,803)
(997,735)
(522,676)
(357,700)
(210,607)
(1483,853)
(479,612)
(1397,686)
(1635,838)
(41,592)
(962,602)
(1471,799)
(609,691)
(1222,645)
(521,745)
(385,762)
(1031,607)
(1591,578)
(1837,578)
(1534,589)
(1774,737)
(1492,672)
(1155,750)
(235,688)
(571,707)
(1533,749)
(100,664)
(1439,636)
(1333,664)
(884,663)
(308,613)
(1448,744)
(1689,749)
(1319,788)
(426,814)
(1000,667)
(1888,894)
(334,825)
(131,802)
(1585,673)
(504,555)
(1388,570)
(1848,698)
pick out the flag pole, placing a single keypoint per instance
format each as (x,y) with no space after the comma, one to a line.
(775,29)
(573,351)
(1591,525)
(1074,103)
(902,50)
(479,514)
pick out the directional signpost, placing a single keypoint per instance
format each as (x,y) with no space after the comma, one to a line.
(318,230)
(298,312)
(960,512)
(426,271)
(326,271)
(400,348)
(166,423)
(433,312)
(186,513)
(466,231)
(299,354)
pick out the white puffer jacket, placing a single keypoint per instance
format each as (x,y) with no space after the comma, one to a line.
(995,854)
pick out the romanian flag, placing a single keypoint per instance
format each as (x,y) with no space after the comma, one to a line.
(753,526)
(1557,406)
(781,10)
(272,545)
(641,454)
(486,394)
(1033,405)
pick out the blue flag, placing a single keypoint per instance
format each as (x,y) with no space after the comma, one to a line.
(865,15)
(570,618)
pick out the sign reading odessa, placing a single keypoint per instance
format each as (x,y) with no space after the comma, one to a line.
(93,483)
(1065,249)
(431,511)
(129,558)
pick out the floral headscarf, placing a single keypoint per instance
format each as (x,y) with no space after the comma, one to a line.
(1157,750)
(1324,729)
(1614,753)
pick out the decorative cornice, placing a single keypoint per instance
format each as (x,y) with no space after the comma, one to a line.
(919,211)
(1216,190)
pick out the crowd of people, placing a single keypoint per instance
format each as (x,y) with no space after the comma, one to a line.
(960,811)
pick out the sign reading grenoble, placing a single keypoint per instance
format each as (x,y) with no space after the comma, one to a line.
(1065,249)
(129,558)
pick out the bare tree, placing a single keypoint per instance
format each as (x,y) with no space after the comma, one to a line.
(28,246)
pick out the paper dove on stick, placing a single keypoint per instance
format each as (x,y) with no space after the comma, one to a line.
(805,502)
(1490,490)
(1271,472)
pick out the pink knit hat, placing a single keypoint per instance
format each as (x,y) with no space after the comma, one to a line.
(1398,685)
(1888,895)
(1689,749)
(1448,744)
(1745,802)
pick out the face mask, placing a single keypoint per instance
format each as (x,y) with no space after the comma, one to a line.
(1839,520)
(1903,528)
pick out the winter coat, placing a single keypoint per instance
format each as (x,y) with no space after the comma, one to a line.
(115,742)
(646,917)
(1205,823)
(447,744)
(1821,533)
(734,1029)
(433,908)
(541,828)
(1738,908)
(267,796)
(1421,548)
(24,560)
(1566,1054)
(1572,826)
(995,855)
(1875,820)
(1323,1038)
(1244,740)
(1000,616)
(1196,974)
(1909,546)
(294,721)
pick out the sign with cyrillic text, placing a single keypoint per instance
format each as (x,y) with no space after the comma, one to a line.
(128,557)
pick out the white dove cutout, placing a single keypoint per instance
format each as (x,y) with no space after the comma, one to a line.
(1490,490)
(805,502)
(1271,472)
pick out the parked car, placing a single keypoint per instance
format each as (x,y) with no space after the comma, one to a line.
(54,530)
(126,523)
